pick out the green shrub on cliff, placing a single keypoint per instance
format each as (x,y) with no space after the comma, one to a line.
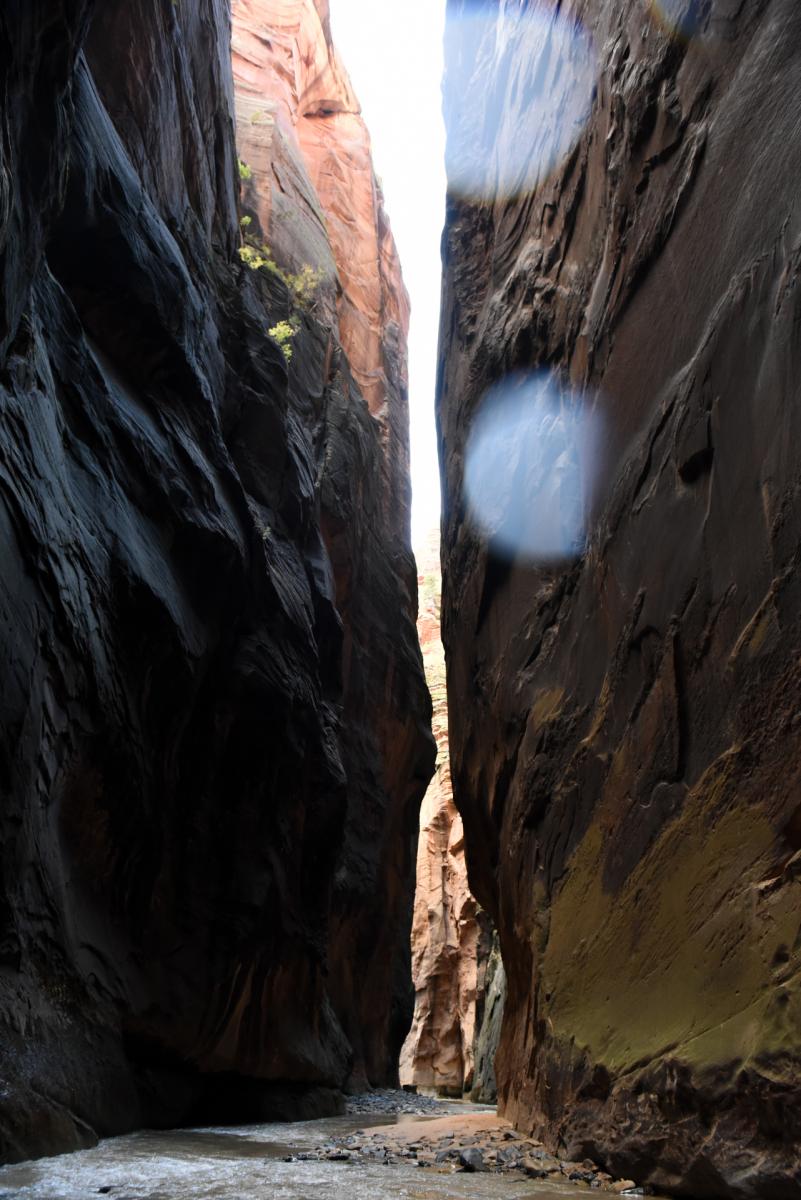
(283,333)
(302,286)
(258,258)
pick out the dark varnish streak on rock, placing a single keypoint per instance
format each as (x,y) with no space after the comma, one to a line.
(171,732)
(312,196)
(625,730)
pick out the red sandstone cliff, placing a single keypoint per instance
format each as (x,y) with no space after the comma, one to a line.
(450,940)
(315,202)
(315,195)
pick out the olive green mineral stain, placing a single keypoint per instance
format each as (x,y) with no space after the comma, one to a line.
(684,961)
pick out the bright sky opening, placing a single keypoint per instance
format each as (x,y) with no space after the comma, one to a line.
(394,55)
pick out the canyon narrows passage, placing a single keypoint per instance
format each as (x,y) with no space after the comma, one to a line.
(456,969)
(215,729)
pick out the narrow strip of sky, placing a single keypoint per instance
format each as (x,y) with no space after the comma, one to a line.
(394,55)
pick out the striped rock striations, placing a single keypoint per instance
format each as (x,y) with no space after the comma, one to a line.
(625,725)
(210,664)
(317,201)
(313,200)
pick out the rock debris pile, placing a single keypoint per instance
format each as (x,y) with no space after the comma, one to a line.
(477,1142)
(393,1101)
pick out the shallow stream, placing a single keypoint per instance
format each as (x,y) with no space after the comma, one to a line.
(247,1164)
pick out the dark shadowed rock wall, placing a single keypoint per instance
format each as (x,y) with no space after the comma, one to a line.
(312,198)
(194,538)
(625,728)
(489,1022)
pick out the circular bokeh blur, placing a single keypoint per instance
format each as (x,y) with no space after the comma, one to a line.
(506,138)
(680,17)
(532,466)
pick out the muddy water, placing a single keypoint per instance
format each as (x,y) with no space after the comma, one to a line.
(247,1164)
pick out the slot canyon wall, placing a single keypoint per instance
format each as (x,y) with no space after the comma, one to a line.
(625,727)
(314,200)
(451,936)
(214,726)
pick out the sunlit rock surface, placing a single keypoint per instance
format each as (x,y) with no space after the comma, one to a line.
(209,659)
(624,726)
(300,130)
(450,936)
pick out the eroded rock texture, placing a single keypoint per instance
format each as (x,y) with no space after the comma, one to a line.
(450,935)
(316,196)
(210,667)
(314,199)
(489,1022)
(626,729)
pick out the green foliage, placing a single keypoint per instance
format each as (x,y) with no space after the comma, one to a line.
(259,258)
(301,285)
(283,333)
(429,593)
(304,285)
(250,257)
(245,172)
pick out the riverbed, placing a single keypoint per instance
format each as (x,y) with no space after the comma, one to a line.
(247,1163)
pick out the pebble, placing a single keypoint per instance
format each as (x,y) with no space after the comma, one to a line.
(497,1150)
(392,1101)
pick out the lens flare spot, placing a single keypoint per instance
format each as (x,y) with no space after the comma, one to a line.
(507,137)
(532,467)
(680,17)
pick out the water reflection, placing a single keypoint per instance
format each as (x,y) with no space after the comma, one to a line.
(510,135)
(531,467)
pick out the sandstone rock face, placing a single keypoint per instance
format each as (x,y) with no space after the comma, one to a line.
(314,200)
(210,666)
(489,1023)
(316,197)
(624,728)
(449,934)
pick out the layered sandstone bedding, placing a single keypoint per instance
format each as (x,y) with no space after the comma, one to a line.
(312,198)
